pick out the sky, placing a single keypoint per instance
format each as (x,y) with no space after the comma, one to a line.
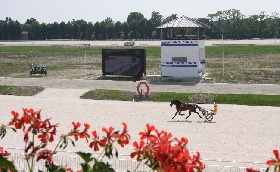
(50,11)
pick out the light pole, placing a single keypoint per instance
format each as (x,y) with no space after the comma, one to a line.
(85,53)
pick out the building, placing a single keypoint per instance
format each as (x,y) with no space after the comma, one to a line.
(183,55)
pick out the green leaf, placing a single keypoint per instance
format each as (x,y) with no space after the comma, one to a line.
(102,167)
(5,163)
(85,167)
(109,151)
(85,156)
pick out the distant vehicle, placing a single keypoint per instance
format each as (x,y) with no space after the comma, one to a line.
(36,69)
(129,43)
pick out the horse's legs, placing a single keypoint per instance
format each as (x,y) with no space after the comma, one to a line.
(198,114)
(175,114)
(189,114)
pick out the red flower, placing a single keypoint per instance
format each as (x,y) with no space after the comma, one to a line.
(275,161)
(139,151)
(96,142)
(47,155)
(251,170)
(4,153)
(196,163)
(76,126)
(147,134)
(182,143)
(87,126)
(276,153)
(76,133)
(15,114)
(124,137)
(109,134)
(16,120)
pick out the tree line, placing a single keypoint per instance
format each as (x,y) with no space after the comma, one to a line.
(231,24)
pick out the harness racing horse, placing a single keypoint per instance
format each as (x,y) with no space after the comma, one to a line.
(180,106)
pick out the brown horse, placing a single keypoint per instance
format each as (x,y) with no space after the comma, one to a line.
(180,106)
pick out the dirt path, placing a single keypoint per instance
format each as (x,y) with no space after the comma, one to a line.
(181,87)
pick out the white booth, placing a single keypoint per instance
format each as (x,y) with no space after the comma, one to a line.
(183,57)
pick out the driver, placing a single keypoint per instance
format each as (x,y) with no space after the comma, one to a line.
(215,110)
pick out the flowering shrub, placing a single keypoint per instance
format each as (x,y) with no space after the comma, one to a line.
(273,162)
(156,148)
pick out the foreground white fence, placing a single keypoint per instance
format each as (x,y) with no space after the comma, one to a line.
(124,163)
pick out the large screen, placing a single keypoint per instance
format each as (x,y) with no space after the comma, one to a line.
(128,62)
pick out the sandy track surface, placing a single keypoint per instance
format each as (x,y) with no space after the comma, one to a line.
(180,87)
(237,133)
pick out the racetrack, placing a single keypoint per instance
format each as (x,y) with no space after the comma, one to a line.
(238,136)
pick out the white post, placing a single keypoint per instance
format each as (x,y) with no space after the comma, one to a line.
(223,55)
(86,54)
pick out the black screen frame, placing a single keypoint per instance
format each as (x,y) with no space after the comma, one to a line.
(134,60)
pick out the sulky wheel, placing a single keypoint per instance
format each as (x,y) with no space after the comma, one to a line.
(208,117)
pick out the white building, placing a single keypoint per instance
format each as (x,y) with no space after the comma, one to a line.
(183,56)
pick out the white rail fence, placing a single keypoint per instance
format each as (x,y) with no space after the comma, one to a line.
(124,163)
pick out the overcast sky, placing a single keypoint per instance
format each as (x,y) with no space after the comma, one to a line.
(50,11)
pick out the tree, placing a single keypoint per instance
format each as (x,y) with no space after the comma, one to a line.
(82,29)
(103,30)
(89,31)
(232,24)
(118,29)
(134,20)
(35,31)
(69,30)
(109,26)
(10,30)
(15,30)
(30,21)
(62,30)
(125,29)
(97,30)
(54,30)
(44,31)
(75,30)
(149,29)
(170,18)
(156,20)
